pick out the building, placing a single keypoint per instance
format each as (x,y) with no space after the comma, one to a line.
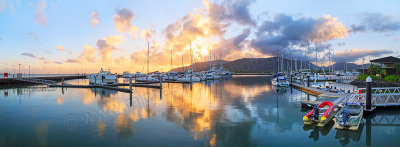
(387,63)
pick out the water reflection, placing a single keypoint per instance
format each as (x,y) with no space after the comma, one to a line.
(245,111)
(345,136)
(316,131)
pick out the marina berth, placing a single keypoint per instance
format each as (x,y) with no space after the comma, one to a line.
(103,78)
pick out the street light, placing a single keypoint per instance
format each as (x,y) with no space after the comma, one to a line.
(29,71)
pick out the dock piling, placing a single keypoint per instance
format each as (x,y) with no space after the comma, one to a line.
(160,81)
(308,81)
(130,83)
(368,93)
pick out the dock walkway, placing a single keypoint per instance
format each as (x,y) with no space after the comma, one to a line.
(341,98)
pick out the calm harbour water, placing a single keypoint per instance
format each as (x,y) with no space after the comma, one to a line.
(244,111)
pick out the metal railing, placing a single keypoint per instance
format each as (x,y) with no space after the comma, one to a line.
(382,90)
(379,99)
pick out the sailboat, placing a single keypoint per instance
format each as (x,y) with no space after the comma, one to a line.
(148,77)
(188,76)
(279,79)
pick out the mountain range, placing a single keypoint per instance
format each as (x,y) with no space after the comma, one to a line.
(258,65)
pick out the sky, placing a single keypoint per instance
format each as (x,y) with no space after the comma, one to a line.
(60,36)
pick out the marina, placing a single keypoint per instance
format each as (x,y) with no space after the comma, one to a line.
(104,113)
(205,73)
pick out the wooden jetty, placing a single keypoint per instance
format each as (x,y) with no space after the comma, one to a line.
(340,98)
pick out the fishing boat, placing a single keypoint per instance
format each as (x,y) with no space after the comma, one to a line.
(349,117)
(102,78)
(321,114)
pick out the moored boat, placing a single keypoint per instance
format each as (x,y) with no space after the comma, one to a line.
(102,78)
(280,81)
(349,116)
(321,113)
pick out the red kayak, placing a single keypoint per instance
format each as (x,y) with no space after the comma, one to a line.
(325,108)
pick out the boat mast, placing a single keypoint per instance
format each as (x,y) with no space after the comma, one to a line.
(191,61)
(171,59)
(148,55)
(183,68)
(277,59)
(329,60)
(210,59)
(308,57)
(316,54)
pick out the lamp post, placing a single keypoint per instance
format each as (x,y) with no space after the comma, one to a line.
(29,71)
(363,66)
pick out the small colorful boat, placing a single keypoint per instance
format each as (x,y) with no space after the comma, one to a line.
(349,117)
(321,113)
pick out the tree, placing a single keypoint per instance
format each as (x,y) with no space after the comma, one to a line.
(397,67)
(371,70)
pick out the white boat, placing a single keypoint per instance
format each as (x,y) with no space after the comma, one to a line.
(171,76)
(148,78)
(212,74)
(138,74)
(126,74)
(280,81)
(102,78)
(188,78)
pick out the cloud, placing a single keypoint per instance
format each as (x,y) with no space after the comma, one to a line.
(88,54)
(95,18)
(60,48)
(29,55)
(72,61)
(1,39)
(57,62)
(2,5)
(286,32)
(231,10)
(33,36)
(122,21)
(40,15)
(107,46)
(377,22)
(41,58)
(355,54)
(147,34)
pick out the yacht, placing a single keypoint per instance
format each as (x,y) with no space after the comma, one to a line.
(102,78)
(148,78)
(188,78)
(280,81)
(126,74)
(212,74)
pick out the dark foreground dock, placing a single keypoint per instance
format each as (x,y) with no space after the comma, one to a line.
(33,80)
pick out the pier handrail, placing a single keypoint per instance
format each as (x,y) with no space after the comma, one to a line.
(380,90)
(381,99)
